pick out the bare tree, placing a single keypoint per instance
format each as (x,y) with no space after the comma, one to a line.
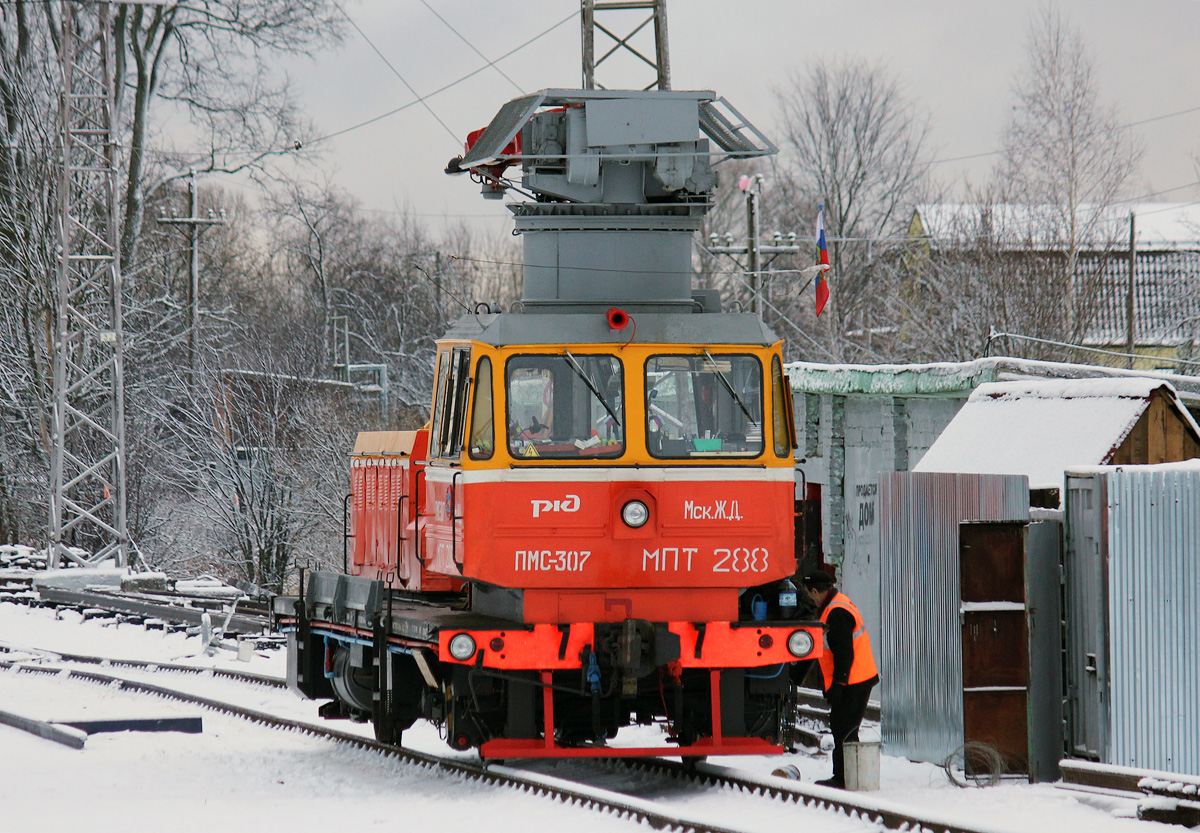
(1066,153)
(392,286)
(980,268)
(855,143)
(28,189)
(258,476)
(784,221)
(212,61)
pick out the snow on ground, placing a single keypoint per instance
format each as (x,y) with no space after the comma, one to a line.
(234,776)
(240,776)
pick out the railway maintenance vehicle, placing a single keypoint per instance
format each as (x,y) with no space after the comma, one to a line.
(595,528)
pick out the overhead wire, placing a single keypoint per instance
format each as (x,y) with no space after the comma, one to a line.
(298,144)
(1168,206)
(419,100)
(392,67)
(439,286)
(463,38)
(444,87)
(995,335)
(493,63)
(1113,129)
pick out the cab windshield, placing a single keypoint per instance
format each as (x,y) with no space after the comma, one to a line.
(704,405)
(565,405)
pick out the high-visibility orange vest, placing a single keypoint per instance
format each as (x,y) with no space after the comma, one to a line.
(863,667)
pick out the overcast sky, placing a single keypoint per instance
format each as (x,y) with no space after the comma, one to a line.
(956,59)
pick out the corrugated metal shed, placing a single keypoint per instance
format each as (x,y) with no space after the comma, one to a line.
(855,421)
(921,639)
(1133,677)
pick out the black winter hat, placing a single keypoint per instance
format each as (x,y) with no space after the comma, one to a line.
(818,580)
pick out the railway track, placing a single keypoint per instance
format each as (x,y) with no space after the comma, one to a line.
(812,716)
(149,665)
(1162,796)
(182,610)
(1158,796)
(854,808)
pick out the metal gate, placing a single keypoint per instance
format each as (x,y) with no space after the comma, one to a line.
(1086,595)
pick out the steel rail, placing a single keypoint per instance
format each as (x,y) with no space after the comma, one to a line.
(1087,775)
(817,706)
(149,665)
(1168,797)
(880,812)
(873,812)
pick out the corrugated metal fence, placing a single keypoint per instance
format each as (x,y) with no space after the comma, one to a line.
(921,639)
(1154,617)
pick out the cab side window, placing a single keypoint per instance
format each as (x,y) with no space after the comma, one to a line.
(483,431)
(449,418)
(441,380)
(781,411)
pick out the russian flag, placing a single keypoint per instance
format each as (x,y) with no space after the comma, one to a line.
(823,260)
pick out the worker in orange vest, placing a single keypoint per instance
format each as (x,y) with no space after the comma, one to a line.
(848,669)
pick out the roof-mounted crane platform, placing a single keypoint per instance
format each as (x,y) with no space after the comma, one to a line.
(602,163)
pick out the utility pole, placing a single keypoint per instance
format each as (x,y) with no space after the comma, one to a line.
(195,224)
(347,371)
(345,354)
(753,191)
(614,12)
(1130,333)
(753,250)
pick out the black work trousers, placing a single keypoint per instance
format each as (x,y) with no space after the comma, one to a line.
(847,705)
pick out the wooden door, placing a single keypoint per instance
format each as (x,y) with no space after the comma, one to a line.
(995,641)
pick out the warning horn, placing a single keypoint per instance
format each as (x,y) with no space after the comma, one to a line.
(618,319)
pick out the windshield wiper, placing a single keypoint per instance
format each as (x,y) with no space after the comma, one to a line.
(729,387)
(591,386)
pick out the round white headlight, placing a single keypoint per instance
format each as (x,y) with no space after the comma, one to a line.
(462,646)
(800,643)
(635,514)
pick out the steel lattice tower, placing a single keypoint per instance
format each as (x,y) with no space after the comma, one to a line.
(87,501)
(612,10)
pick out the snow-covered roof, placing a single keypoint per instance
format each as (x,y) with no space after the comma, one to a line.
(1183,465)
(1159,225)
(958,378)
(1042,428)
(1131,388)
